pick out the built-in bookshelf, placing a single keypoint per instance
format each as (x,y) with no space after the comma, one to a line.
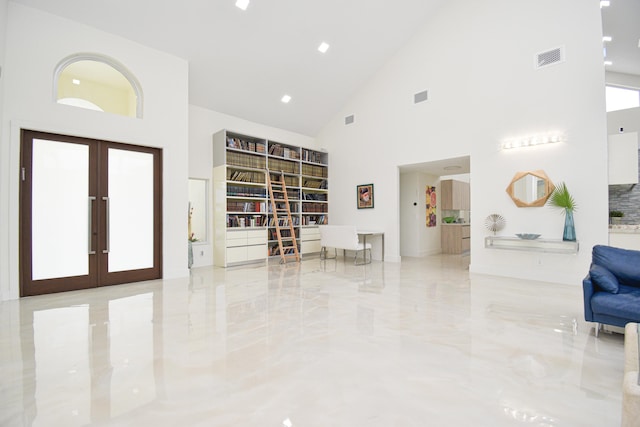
(243,225)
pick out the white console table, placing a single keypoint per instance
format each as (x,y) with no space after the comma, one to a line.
(535,245)
(365,233)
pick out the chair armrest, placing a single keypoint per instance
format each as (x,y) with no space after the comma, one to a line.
(588,289)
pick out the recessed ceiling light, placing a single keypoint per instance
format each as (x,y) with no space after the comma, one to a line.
(324,47)
(607,63)
(242,4)
(75,81)
(286,99)
(604,3)
(607,38)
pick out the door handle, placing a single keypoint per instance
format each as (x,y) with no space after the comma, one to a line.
(108,221)
(90,222)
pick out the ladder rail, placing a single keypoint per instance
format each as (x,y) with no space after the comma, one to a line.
(277,214)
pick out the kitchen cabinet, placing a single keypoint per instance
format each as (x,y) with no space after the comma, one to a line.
(455,195)
(455,238)
(623,158)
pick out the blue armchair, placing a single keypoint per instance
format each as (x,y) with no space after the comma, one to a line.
(612,287)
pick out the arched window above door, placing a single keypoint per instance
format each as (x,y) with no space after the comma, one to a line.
(97,82)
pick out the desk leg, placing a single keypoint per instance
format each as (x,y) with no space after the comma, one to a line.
(364,253)
(382,247)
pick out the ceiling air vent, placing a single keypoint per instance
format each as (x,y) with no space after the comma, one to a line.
(550,57)
(420,96)
(349,119)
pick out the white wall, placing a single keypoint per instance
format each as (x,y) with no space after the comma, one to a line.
(415,237)
(628,119)
(4,155)
(36,42)
(4,6)
(477,61)
(203,124)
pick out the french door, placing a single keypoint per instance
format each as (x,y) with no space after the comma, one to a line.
(90,213)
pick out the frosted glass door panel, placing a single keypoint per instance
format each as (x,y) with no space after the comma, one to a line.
(130,212)
(60,209)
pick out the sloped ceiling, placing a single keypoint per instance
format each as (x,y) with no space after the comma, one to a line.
(242,62)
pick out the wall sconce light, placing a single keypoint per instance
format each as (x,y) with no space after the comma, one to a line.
(529,141)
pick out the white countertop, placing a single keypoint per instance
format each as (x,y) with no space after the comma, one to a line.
(625,228)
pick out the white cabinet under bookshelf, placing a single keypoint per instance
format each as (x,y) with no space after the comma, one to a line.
(241,201)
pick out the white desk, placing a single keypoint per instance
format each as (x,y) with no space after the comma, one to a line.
(366,232)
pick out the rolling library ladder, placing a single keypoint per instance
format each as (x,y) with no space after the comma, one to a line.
(281,211)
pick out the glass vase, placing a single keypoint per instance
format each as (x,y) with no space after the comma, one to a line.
(569,234)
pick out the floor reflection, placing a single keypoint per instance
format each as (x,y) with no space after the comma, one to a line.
(324,342)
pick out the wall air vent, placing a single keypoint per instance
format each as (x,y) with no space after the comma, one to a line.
(349,119)
(420,96)
(550,57)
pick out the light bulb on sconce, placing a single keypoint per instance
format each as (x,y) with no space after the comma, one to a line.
(529,141)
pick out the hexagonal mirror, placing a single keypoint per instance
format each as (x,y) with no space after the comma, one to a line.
(530,189)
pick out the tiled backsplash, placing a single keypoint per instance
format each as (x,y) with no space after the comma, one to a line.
(626,199)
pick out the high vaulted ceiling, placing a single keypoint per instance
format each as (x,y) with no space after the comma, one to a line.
(621,21)
(242,62)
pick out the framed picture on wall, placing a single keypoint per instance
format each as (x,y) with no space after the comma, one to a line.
(365,196)
(431,206)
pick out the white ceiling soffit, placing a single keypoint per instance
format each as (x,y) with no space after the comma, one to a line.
(242,62)
(453,166)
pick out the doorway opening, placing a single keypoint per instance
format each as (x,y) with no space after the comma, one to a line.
(421,206)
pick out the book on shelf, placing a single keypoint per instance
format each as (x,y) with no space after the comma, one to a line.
(276,150)
(245,176)
(236,206)
(314,170)
(246,160)
(285,152)
(286,233)
(285,166)
(314,207)
(281,207)
(289,180)
(314,220)
(319,184)
(275,250)
(240,191)
(293,194)
(320,197)
(245,221)
(241,144)
(313,156)
(283,221)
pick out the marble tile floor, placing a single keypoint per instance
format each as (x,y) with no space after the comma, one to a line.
(323,343)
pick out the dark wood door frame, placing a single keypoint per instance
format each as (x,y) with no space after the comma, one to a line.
(98,185)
